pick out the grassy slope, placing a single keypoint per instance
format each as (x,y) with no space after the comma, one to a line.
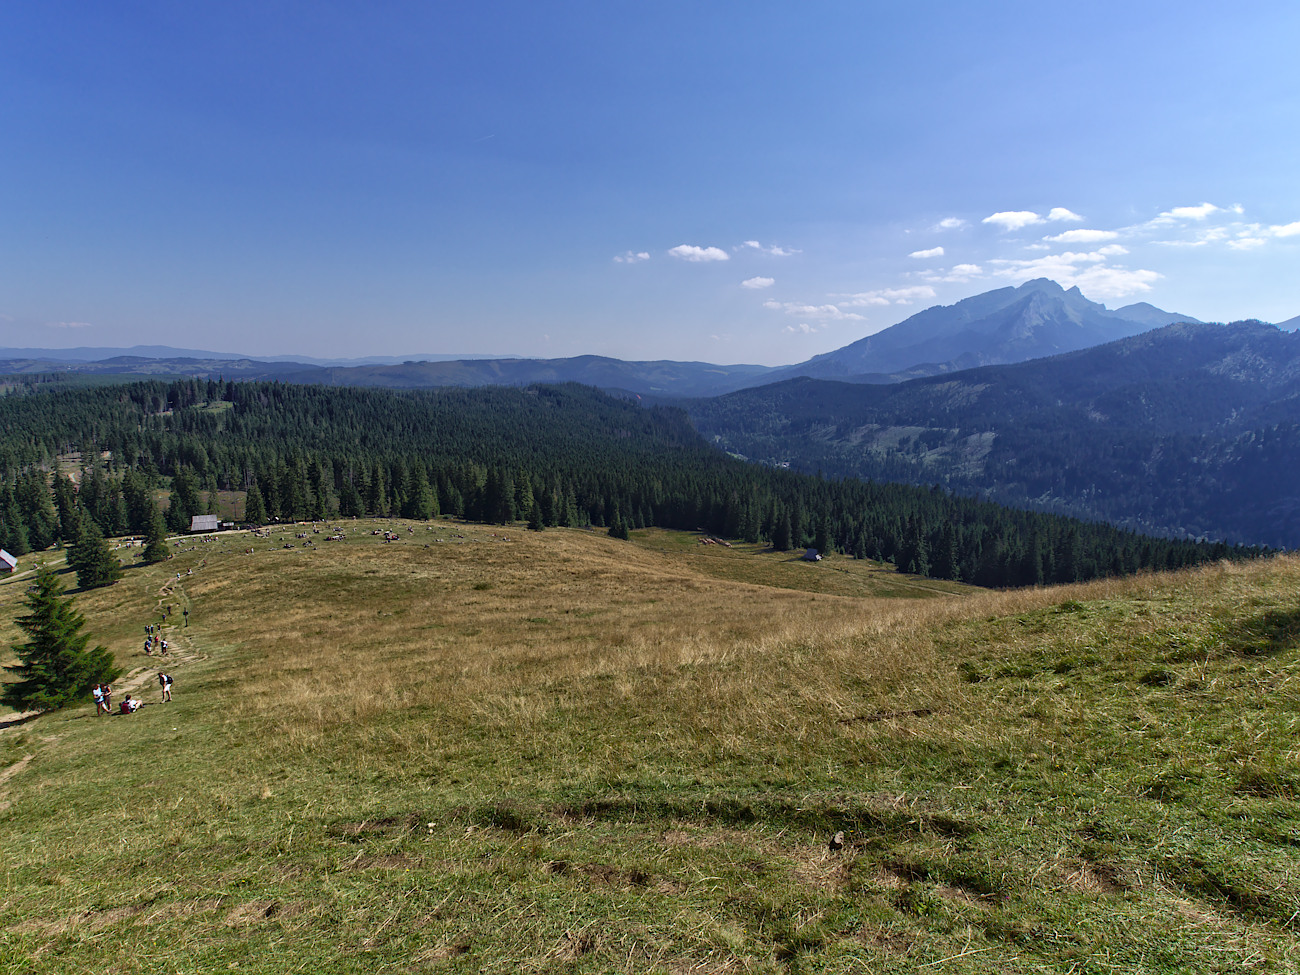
(560,752)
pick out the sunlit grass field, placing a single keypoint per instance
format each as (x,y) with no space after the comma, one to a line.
(484,749)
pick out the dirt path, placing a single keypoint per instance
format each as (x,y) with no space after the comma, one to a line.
(181,650)
(140,673)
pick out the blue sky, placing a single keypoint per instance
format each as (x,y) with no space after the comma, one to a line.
(732,182)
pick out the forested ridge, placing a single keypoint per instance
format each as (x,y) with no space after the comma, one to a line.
(1189,430)
(549,455)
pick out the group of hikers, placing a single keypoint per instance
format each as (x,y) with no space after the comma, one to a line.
(153,640)
(103,695)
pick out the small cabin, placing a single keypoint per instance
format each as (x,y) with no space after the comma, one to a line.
(203,523)
(812,555)
(7,562)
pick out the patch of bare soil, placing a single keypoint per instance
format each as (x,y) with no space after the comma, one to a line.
(884,939)
(963,895)
(1093,878)
(601,873)
(819,868)
(14,769)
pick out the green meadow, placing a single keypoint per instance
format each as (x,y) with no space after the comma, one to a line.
(479,749)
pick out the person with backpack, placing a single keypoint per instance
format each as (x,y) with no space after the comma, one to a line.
(165,682)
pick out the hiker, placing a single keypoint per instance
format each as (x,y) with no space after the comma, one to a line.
(98,693)
(129,705)
(165,682)
(108,699)
(162,647)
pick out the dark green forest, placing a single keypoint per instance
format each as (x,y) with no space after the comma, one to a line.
(1189,430)
(546,455)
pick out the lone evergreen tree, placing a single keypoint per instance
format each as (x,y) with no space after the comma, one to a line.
(155,543)
(94,561)
(54,667)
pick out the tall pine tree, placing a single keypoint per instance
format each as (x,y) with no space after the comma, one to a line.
(54,667)
(94,561)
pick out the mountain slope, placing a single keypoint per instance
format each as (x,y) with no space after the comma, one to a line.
(1037,319)
(1188,429)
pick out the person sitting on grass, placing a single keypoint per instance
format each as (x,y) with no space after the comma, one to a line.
(129,705)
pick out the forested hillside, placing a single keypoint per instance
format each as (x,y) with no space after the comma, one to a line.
(1187,430)
(565,455)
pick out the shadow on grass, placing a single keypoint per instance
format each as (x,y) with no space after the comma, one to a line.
(1266,634)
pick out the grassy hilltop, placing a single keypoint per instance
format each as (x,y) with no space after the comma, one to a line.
(479,749)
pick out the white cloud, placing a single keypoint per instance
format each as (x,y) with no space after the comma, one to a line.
(887,296)
(1060,213)
(629,257)
(957,274)
(1088,271)
(1112,250)
(803,328)
(1013,219)
(950,223)
(1191,213)
(773,250)
(689,252)
(831,313)
(68,325)
(1247,243)
(1083,236)
(1285,230)
(932,252)
(758,283)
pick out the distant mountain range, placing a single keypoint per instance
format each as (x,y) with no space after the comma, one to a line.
(1033,396)
(1190,430)
(1007,325)
(1037,319)
(87,354)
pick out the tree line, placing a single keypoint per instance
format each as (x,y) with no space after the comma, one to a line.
(547,455)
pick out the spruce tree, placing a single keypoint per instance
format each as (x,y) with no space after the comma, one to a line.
(54,667)
(155,547)
(94,561)
(254,507)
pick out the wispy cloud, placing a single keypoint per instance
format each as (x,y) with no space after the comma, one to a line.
(1083,236)
(957,274)
(825,313)
(887,296)
(931,252)
(1285,230)
(631,257)
(68,325)
(690,252)
(1089,271)
(773,250)
(1060,213)
(803,328)
(758,283)
(1192,213)
(1013,219)
(950,223)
